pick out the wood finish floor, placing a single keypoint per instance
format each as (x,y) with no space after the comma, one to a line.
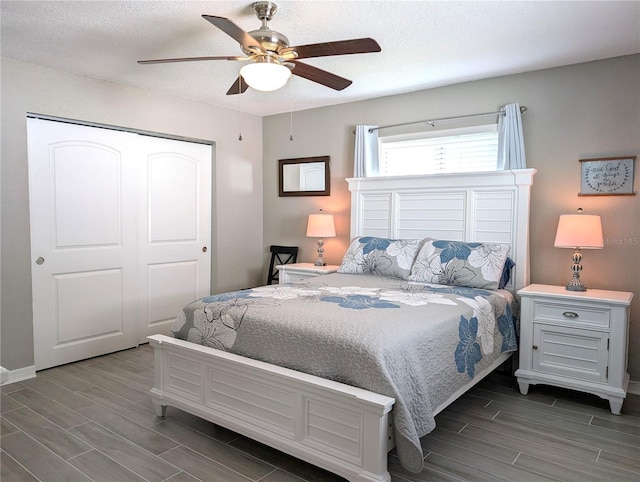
(93,420)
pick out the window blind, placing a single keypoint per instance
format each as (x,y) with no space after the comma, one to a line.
(453,153)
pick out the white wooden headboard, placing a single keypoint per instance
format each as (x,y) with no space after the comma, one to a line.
(478,207)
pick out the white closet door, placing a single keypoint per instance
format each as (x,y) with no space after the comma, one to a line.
(175,235)
(83,241)
(115,221)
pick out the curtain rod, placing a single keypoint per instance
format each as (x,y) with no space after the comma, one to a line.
(523,109)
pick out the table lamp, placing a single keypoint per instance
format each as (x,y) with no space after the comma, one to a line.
(320,226)
(578,231)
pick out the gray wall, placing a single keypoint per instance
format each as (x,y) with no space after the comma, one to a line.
(583,111)
(237,190)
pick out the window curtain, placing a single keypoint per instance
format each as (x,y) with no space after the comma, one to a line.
(510,139)
(366,160)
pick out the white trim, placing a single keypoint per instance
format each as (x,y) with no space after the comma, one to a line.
(112,127)
(13,376)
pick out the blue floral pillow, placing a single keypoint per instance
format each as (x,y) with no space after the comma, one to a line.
(385,257)
(474,265)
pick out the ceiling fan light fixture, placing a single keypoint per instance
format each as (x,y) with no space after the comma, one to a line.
(265,76)
(272,57)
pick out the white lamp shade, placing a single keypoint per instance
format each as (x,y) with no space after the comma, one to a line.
(265,76)
(321,226)
(579,231)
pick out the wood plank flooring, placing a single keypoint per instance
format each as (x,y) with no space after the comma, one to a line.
(93,420)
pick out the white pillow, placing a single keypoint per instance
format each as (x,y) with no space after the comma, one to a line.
(474,265)
(382,256)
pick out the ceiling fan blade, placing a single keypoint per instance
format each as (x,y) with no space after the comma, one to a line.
(187,59)
(320,76)
(340,47)
(238,87)
(235,32)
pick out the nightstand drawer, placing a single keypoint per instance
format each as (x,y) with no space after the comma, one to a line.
(293,273)
(295,277)
(571,314)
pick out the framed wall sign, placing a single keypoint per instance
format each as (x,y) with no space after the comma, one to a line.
(607,176)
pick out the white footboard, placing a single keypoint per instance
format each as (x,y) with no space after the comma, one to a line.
(337,427)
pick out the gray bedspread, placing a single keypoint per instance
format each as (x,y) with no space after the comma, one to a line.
(417,343)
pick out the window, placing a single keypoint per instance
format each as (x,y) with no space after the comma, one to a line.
(457,150)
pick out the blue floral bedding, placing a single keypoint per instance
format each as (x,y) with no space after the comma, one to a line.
(417,343)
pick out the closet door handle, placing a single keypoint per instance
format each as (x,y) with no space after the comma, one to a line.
(204,249)
(39,260)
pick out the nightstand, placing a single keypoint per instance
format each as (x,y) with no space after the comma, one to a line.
(291,273)
(575,340)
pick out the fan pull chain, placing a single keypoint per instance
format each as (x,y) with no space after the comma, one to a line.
(291,109)
(291,123)
(239,113)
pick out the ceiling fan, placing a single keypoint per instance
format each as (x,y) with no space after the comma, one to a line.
(272,59)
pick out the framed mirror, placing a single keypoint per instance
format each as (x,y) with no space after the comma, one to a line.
(306,176)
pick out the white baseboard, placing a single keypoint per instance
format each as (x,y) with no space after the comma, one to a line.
(634,387)
(12,376)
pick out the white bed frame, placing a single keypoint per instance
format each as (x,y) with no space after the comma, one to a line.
(340,428)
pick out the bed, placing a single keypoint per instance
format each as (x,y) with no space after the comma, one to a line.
(325,395)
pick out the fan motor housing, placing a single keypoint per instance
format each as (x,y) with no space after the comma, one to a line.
(270,39)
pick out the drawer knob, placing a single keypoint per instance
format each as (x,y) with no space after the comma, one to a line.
(570,314)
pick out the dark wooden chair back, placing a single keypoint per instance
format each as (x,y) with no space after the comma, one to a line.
(280,255)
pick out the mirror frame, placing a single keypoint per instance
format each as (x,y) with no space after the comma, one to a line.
(304,160)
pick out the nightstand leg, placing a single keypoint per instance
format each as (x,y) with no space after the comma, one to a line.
(158,407)
(524,386)
(616,405)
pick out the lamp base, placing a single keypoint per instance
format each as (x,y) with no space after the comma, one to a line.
(572,286)
(575,284)
(320,260)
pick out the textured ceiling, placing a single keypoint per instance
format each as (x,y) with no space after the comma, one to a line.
(424,43)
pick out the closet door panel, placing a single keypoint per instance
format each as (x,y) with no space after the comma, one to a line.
(176,235)
(83,241)
(173,198)
(86,213)
(89,305)
(164,300)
